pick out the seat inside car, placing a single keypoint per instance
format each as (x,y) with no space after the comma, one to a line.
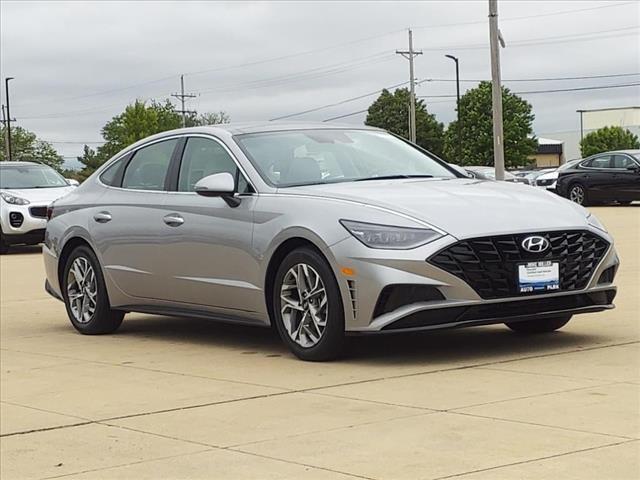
(302,170)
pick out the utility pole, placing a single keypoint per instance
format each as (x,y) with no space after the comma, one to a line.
(181,96)
(496,90)
(8,119)
(458,119)
(409,55)
(6,140)
(581,125)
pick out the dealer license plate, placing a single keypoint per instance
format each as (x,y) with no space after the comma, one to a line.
(538,276)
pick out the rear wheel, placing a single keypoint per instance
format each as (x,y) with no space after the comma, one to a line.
(543,325)
(308,307)
(578,194)
(85,295)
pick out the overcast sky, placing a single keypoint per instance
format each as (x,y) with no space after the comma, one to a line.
(77,64)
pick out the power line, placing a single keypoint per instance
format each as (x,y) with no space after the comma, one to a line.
(339,103)
(557,90)
(312,73)
(550,79)
(366,110)
(576,37)
(309,52)
(525,17)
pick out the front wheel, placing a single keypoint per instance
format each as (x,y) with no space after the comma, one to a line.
(308,307)
(544,325)
(85,295)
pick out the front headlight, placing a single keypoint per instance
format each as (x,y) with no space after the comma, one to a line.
(594,222)
(390,237)
(13,200)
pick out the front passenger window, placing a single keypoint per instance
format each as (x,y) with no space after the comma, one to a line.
(203,157)
(147,169)
(622,161)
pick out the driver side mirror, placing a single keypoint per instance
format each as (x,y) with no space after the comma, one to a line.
(634,168)
(218,185)
(73,182)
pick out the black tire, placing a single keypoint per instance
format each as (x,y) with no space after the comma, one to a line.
(332,341)
(578,187)
(104,319)
(4,247)
(543,325)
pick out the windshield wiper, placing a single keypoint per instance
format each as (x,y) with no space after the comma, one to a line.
(392,177)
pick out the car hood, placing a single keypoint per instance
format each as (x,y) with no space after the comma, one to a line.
(40,195)
(462,207)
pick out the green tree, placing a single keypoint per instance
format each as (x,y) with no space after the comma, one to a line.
(26,146)
(139,120)
(210,118)
(391,112)
(606,139)
(476,133)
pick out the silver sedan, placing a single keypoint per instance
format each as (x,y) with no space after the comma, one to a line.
(321,231)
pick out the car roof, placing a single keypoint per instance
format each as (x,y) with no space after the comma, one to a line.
(18,164)
(225,129)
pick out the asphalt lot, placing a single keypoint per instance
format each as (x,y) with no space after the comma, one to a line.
(180,398)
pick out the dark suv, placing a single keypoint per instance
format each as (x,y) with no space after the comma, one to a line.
(605,177)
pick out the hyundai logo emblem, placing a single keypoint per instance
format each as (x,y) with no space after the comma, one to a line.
(535,244)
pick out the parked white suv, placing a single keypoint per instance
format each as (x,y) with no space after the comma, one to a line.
(26,190)
(548,180)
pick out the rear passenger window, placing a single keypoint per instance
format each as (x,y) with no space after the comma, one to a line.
(147,169)
(599,162)
(203,157)
(112,175)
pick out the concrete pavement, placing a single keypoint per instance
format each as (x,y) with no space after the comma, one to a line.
(184,399)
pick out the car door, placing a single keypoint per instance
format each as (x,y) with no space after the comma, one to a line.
(598,177)
(129,221)
(206,251)
(626,178)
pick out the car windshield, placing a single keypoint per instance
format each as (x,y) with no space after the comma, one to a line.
(308,157)
(30,176)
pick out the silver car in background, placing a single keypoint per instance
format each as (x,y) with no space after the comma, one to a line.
(321,231)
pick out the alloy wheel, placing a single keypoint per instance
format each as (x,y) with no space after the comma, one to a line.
(82,290)
(303,305)
(577,194)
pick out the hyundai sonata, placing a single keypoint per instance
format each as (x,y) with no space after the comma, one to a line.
(322,232)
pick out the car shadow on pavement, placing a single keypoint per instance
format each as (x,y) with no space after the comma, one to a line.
(477,344)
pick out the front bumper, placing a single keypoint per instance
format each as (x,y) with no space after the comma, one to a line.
(30,229)
(456,303)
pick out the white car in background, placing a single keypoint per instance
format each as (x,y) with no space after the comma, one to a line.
(548,180)
(26,190)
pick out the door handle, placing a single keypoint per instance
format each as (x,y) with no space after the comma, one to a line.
(102,217)
(173,220)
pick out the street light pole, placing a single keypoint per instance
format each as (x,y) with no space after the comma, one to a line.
(496,91)
(6,90)
(458,119)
